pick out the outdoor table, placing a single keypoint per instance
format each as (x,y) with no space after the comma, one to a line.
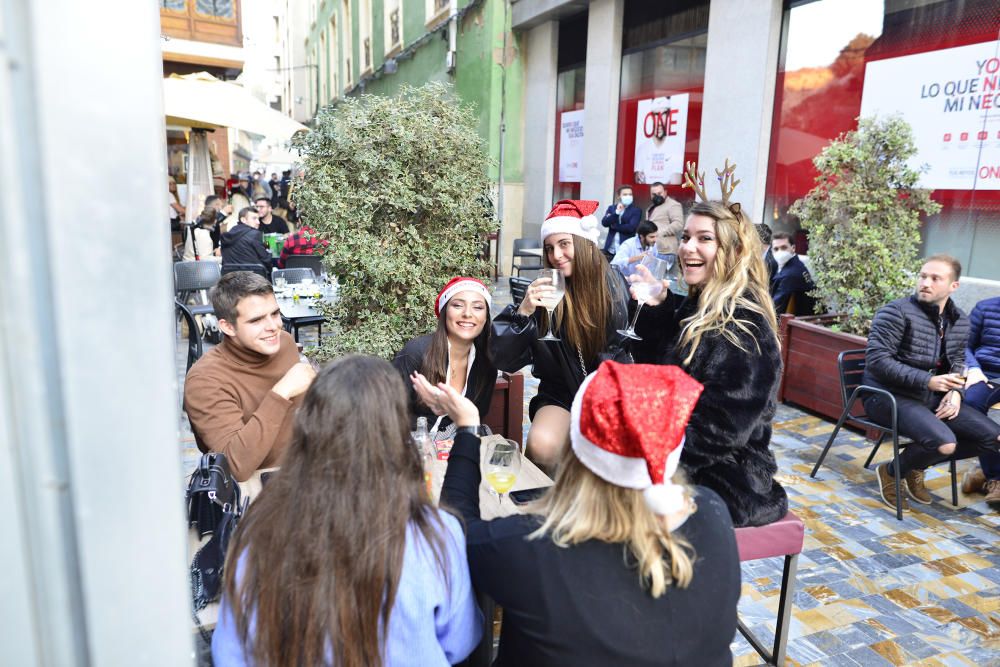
(302,312)
(537,252)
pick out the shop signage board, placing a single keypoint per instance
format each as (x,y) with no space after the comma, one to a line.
(571,146)
(951,99)
(660,136)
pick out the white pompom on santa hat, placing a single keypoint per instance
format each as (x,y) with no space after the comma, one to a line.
(627,426)
(461,284)
(572,216)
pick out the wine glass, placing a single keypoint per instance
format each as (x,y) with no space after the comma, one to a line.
(553,297)
(280,282)
(647,288)
(503,463)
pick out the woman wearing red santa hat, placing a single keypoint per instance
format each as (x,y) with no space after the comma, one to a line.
(456,353)
(621,562)
(725,335)
(594,308)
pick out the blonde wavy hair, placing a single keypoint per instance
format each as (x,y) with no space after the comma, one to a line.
(582,506)
(739,280)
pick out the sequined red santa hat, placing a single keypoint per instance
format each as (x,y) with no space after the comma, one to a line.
(460,284)
(572,216)
(627,426)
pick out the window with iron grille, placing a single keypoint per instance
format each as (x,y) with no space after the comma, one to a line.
(394,27)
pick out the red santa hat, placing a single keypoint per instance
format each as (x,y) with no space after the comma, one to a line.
(572,216)
(627,426)
(460,284)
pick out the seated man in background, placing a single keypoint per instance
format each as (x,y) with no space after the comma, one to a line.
(914,344)
(244,244)
(241,397)
(982,389)
(632,250)
(790,278)
(302,242)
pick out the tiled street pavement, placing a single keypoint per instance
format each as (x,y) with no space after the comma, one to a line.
(870,590)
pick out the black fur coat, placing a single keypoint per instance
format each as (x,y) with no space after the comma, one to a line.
(727,441)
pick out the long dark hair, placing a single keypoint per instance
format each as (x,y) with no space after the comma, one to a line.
(321,549)
(435,365)
(586,308)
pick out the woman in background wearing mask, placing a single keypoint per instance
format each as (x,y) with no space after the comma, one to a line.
(622,218)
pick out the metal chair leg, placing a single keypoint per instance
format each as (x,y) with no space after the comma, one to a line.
(878,443)
(829,443)
(895,471)
(954,483)
(785,602)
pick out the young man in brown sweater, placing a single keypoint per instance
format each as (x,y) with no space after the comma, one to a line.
(241,397)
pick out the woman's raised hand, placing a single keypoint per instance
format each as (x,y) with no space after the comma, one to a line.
(535,295)
(661,288)
(445,398)
(427,393)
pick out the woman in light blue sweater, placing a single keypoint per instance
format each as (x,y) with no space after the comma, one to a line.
(342,559)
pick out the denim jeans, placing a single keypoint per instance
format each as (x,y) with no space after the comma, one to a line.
(971,430)
(981,396)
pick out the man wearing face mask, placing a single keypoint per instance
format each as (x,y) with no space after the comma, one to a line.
(790,278)
(622,218)
(668,216)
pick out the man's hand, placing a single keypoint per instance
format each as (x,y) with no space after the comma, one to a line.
(620,208)
(445,398)
(949,406)
(296,381)
(974,376)
(946,382)
(535,296)
(636,258)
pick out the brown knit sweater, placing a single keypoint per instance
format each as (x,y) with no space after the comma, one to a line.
(228,399)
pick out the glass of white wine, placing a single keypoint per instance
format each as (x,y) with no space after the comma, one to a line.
(280,281)
(553,298)
(503,463)
(645,289)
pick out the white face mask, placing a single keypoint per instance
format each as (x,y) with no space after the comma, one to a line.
(782,256)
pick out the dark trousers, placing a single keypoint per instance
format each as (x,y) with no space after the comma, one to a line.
(981,396)
(972,431)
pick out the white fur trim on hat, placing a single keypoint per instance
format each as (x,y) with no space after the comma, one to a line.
(665,499)
(587,227)
(464,286)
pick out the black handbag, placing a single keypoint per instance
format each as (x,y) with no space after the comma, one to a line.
(211,493)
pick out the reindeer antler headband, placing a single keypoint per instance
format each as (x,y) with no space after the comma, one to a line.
(696,181)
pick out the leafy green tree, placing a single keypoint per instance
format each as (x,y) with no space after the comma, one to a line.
(863,218)
(400,188)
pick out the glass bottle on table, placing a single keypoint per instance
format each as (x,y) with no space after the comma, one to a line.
(425,449)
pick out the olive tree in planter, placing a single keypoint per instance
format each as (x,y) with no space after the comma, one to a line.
(400,188)
(863,219)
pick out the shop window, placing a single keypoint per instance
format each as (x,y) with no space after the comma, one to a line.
(929,61)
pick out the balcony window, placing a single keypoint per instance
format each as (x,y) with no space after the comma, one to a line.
(221,9)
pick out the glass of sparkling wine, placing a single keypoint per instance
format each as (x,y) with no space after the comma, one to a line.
(646,288)
(280,282)
(503,463)
(553,298)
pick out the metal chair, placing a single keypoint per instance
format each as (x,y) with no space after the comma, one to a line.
(192,277)
(314,262)
(293,276)
(194,338)
(529,261)
(851,364)
(518,287)
(254,268)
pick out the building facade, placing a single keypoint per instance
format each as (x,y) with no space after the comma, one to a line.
(627,91)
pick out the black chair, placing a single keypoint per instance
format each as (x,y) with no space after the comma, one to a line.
(293,276)
(851,364)
(192,277)
(518,287)
(528,261)
(255,268)
(314,262)
(193,337)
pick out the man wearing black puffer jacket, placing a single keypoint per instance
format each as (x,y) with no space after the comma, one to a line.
(914,344)
(244,244)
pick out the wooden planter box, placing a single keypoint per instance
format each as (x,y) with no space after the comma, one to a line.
(809,351)
(507,407)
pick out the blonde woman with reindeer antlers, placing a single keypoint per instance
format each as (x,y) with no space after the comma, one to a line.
(724,334)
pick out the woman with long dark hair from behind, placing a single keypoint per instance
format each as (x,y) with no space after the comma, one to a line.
(587,320)
(342,559)
(456,353)
(615,564)
(725,335)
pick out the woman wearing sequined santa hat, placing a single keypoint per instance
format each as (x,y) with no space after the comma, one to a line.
(587,320)
(456,353)
(615,564)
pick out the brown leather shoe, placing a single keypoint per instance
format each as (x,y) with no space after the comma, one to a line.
(915,487)
(974,481)
(993,493)
(887,487)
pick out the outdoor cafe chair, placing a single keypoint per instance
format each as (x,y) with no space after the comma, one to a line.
(851,364)
(194,346)
(518,288)
(192,277)
(314,262)
(526,261)
(255,268)
(292,276)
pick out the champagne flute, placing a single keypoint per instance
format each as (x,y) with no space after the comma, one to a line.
(280,282)
(503,463)
(648,288)
(553,298)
